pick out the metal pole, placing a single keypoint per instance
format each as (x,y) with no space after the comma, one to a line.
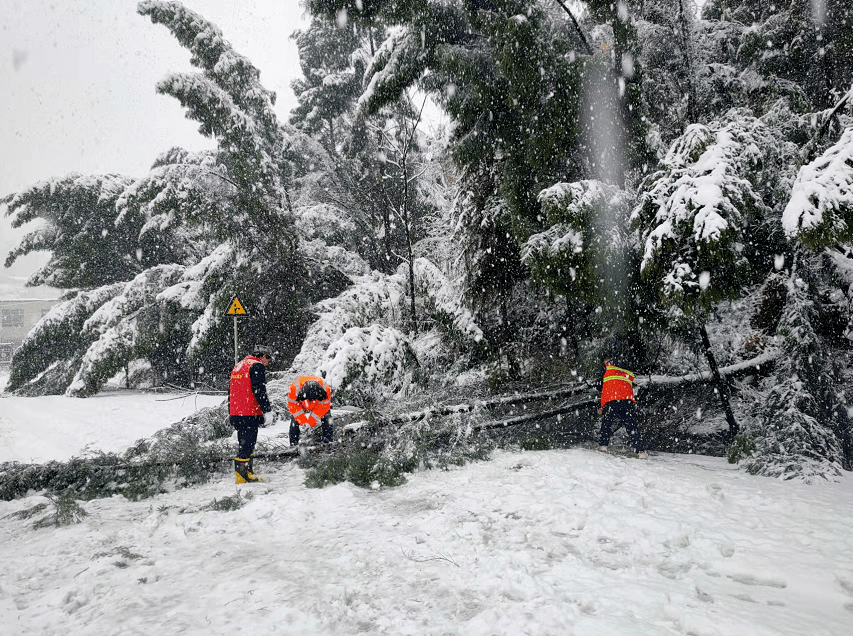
(235,341)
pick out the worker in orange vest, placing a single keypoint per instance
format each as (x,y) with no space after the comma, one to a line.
(618,408)
(249,407)
(309,401)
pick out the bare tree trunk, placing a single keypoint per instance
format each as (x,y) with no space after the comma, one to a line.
(409,250)
(720,383)
(686,47)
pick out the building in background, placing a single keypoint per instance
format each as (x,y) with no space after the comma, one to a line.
(17,317)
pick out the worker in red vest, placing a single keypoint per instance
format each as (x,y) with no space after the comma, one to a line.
(618,408)
(249,407)
(309,401)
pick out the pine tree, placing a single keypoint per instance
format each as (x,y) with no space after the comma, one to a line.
(78,227)
(793,431)
(232,106)
(694,215)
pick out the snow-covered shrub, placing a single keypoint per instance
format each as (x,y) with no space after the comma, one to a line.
(374,298)
(66,511)
(369,364)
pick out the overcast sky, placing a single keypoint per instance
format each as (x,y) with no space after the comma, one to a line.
(77,92)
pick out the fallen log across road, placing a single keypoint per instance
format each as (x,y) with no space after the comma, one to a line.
(590,397)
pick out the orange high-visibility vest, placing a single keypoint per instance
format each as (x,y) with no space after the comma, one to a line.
(618,385)
(308,412)
(241,400)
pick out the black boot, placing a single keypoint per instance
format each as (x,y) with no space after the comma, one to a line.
(241,472)
(294,433)
(251,468)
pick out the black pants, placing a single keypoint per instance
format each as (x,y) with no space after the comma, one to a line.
(616,414)
(247,433)
(325,430)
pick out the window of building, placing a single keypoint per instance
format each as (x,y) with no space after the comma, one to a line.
(12,317)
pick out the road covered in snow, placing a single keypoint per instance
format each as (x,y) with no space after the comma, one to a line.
(37,430)
(538,543)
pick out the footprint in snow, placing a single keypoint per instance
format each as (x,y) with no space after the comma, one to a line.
(748,579)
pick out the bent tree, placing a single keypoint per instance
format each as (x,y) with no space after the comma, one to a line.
(693,216)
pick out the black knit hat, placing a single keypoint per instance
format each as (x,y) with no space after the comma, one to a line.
(262,350)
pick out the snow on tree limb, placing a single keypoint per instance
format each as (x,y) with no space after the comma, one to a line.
(585,227)
(114,331)
(78,212)
(820,211)
(400,61)
(447,299)
(692,214)
(369,363)
(213,53)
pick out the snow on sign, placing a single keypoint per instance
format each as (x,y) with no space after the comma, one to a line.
(236,308)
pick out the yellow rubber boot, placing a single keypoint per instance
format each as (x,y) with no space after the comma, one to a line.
(241,472)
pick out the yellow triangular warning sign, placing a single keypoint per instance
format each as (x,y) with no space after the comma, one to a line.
(236,308)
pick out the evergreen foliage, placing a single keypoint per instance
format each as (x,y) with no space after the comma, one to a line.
(794,437)
(78,229)
(820,211)
(695,213)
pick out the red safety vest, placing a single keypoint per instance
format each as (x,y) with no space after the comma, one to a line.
(308,412)
(241,400)
(618,385)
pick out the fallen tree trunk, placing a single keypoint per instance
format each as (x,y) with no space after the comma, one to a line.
(740,368)
(110,474)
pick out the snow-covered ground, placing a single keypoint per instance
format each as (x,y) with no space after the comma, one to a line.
(538,543)
(58,427)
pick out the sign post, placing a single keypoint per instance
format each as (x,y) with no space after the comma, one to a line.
(236,309)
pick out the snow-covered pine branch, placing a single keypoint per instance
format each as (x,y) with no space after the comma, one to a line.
(233,107)
(694,212)
(820,211)
(374,298)
(126,327)
(47,359)
(367,364)
(585,229)
(446,300)
(78,215)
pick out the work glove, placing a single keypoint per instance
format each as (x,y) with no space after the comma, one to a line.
(269,418)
